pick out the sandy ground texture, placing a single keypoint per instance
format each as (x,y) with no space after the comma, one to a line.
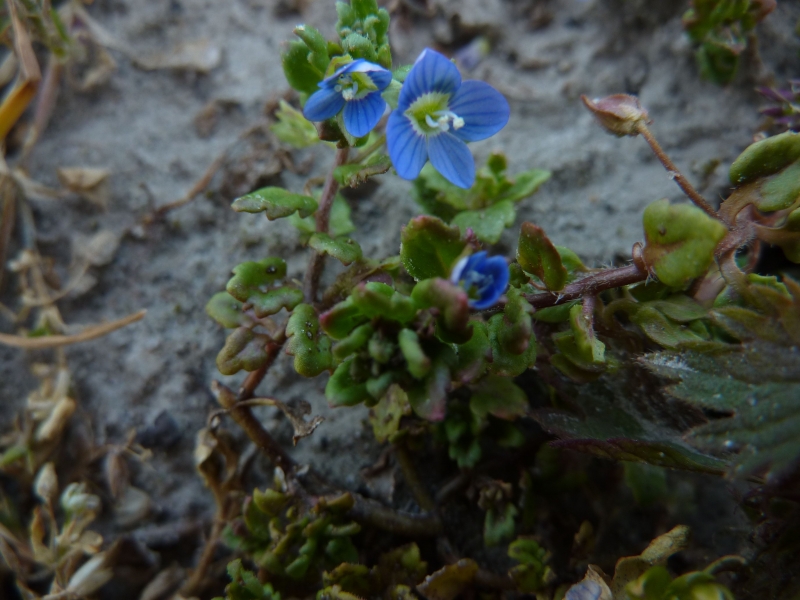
(158,131)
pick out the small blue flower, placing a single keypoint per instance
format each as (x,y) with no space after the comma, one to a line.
(357,88)
(484,278)
(432,101)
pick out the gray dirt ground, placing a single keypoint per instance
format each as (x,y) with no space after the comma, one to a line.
(140,126)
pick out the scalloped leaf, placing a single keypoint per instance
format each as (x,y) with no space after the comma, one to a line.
(536,254)
(681,240)
(299,71)
(375,299)
(487,224)
(344,249)
(227,311)
(342,319)
(343,389)
(276,202)
(499,397)
(621,418)
(759,386)
(243,350)
(452,324)
(355,174)
(525,184)
(310,347)
(429,248)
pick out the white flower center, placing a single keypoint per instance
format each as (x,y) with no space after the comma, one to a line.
(443,120)
(347,87)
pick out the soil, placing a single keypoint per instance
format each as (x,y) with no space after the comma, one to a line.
(153,376)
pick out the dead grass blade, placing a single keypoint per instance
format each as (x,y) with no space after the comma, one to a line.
(20,96)
(56,341)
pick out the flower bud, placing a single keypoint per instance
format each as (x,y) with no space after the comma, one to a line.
(619,114)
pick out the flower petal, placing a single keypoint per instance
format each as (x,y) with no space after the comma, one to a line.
(432,72)
(497,269)
(324,104)
(360,116)
(484,110)
(380,77)
(406,148)
(451,157)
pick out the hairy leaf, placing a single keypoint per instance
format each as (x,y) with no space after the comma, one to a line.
(429,248)
(275,202)
(759,385)
(681,240)
(310,347)
(536,254)
(344,249)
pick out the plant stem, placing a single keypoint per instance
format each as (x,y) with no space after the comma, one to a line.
(682,182)
(364,511)
(382,517)
(323,216)
(590,286)
(252,427)
(411,476)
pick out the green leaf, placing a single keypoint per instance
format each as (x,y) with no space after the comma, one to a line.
(760,385)
(681,240)
(275,202)
(343,390)
(622,418)
(630,568)
(506,362)
(429,248)
(419,365)
(356,340)
(310,347)
(766,157)
(525,184)
(227,311)
(516,337)
(243,350)
(449,581)
(662,330)
(254,277)
(250,285)
(344,249)
(473,355)
(297,68)
(452,324)
(386,414)
(317,45)
(274,300)
(537,255)
(532,574)
(498,525)
(375,299)
(355,174)
(293,128)
(342,318)
(647,483)
(499,397)
(487,224)
(428,398)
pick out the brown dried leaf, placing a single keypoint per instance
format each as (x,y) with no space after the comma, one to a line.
(296,413)
(200,56)
(164,584)
(90,182)
(448,582)
(133,506)
(53,427)
(46,484)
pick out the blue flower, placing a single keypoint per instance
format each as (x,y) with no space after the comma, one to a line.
(432,101)
(484,278)
(357,88)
